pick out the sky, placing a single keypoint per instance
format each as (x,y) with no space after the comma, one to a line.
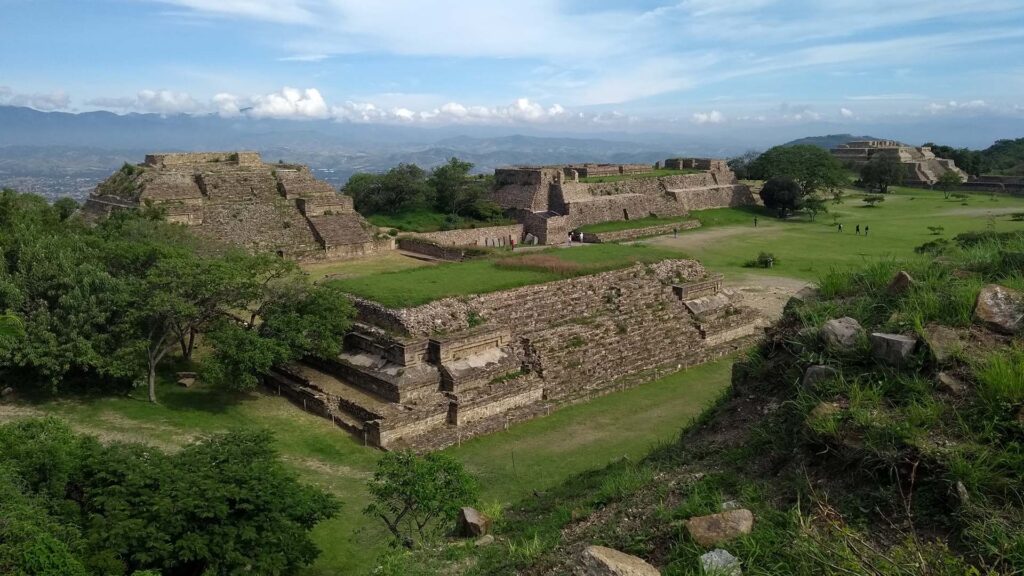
(578,65)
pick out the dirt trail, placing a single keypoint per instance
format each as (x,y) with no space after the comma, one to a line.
(768,294)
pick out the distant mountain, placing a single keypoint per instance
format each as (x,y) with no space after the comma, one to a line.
(828,142)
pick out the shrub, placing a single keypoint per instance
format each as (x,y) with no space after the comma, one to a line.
(763,260)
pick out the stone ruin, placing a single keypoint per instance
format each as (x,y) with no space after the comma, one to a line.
(430,376)
(923,167)
(551,202)
(236,198)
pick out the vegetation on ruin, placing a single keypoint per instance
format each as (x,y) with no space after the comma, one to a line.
(654,173)
(814,169)
(123,184)
(1003,157)
(409,198)
(618,225)
(877,470)
(417,286)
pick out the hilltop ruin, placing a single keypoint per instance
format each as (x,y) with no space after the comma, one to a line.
(923,167)
(235,197)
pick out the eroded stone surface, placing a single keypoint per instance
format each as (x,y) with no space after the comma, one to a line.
(1000,309)
(950,384)
(900,283)
(602,561)
(942,342)
(720,562)
(472,522)
(815,374)
(715,528)
(892,349)
(842,333)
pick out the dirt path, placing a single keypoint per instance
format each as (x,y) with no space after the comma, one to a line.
(767,294)
(982,211)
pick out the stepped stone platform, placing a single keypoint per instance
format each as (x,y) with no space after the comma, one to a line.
(923,167)
(236,198)
(429,376)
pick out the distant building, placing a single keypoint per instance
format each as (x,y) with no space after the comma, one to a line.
(923,167)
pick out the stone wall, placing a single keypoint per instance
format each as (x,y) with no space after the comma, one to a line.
(190,158)
(485,236)
(432,249)
(634,233)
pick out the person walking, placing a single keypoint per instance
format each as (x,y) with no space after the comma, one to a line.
(840,227)
(866,230)
(858,230)
(675,231)
(755,221)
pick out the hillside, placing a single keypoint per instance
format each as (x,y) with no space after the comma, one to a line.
(828,142)
(875,431)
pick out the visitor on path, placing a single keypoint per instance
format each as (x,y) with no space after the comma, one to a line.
(755,221)
(569,242)
(675,232)
(858,229)
(840,227)
(866,230)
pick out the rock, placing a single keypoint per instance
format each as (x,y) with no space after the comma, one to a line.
(1000,309)
(186,379)
(730,505)
(485,540)
(900,283)
(961,492)
(601,561)
(823,409)
(710,530)
(473,523)
(842,333)
(950,384)
(892,349)
(815,374)
(942,342)
(719,562)
(6,392)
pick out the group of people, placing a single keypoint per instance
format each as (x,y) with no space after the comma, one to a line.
(857,229)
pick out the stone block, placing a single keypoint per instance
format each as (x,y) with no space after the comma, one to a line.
(1000,309)
(942,342)
(950,384)
(900,283)
(719,562)
(473,523)
(842,334)
(715,528)
(892,349)
(602,561)
(815,374)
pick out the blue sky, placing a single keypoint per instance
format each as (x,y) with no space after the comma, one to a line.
(575,64)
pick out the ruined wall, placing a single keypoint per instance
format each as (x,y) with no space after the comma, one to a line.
(188,158)
(635,233)
(486,236)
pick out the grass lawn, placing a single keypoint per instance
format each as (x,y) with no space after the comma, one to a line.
(546,450)
(376,264)
(425,284)
(805,249)
(428,221)
(617,225)
(652,174)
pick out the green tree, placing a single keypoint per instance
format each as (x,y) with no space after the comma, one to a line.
(400,189)
(449,182)
(882,171)
(417,497)
(873,199)
(813,168)
(783,195)
(814,205)
(740,165)
(948,182)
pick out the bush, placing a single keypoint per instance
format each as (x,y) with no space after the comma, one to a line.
(763,260)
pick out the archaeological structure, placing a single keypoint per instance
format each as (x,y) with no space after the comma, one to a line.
(430,376)
(235,197)
(923,167)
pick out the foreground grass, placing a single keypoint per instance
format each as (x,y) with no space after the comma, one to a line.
(430,221)
(622,177)
(618,225)
(546,450)
(421,285)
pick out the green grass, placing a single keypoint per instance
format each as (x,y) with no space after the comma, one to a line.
(618,225)
(428,221)
(375,264)
(421,285)
(545,451)
(621,177)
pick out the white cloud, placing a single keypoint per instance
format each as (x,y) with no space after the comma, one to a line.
(955,106)
(304,58)
(846,113)
(46,102)
(152,101)
(290,103)
(713,117)
(523,110)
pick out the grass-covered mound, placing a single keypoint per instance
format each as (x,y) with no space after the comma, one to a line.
(417,286)
(877,470)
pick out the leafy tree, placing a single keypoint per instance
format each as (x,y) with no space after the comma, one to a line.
(400,189)
(417,497)
(813,168)
(740,165)
(970,161)
(65,207)
(814,205)
(948,182)
(783,195)
(873,199)
(882,171)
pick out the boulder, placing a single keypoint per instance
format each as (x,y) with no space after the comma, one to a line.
(950,384)
(601,561)
(187,379)
(715,528)
(892,349)
(900,283)
(731,505)
(8,391)
(485,540)
(818,373)
(473,523)
(842,333)
(942,342)
(1000,309)
(719,562)
(823,409)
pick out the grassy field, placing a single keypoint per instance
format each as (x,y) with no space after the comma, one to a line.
(621,177)
(420,285)
(618,225)
(530,456)
(429,221)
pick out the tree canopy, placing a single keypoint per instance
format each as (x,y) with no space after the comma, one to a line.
(813,168)
(882,171)
(783,195)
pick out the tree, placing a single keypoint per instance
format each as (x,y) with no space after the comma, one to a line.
(417,496)
(740,165)
(400,189)
(783,195)
(814,205)
(813,168)
(949,181)
(882,171)
(65,207)
(873,199)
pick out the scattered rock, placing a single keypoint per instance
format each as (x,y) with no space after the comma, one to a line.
(815,374)
(823,410)
(900,283)
(710,530)
(892,349)
(719,562)
(942,342)
(473,523)
(1000,309)
(730,505)
(6,392)
(961,492)
(842,333)
(187,379)
(485,540)
(601,561)
(951,384)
